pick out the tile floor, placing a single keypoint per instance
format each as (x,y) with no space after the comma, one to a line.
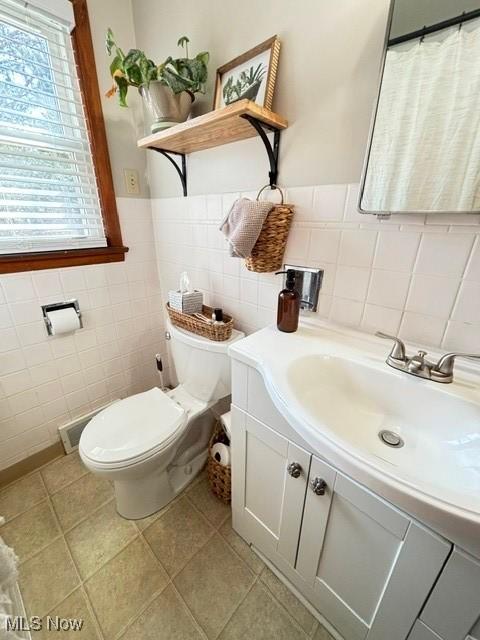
(182,574)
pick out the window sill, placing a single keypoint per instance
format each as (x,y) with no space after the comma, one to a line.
(15,262)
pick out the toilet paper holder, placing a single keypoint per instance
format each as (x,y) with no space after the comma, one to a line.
(55,306)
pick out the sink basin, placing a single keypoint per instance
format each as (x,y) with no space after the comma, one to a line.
(355,403)
(335,390)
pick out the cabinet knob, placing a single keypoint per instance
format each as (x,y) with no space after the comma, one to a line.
(294,469)
(319,486)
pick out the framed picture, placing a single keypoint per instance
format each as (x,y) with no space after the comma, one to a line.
(250,76)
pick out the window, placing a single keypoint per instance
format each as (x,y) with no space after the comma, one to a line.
(57,205)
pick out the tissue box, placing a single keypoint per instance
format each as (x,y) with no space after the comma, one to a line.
(190,302)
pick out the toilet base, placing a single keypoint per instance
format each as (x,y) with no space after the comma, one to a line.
(181,476)
(142,497)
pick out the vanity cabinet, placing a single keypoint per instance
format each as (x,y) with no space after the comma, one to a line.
(272,484)
(365,566)
(370,566)
(452,611)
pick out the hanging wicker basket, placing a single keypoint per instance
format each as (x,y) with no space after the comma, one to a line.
(219,476)
(267,254)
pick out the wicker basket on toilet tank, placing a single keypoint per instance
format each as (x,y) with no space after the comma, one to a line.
(216,332)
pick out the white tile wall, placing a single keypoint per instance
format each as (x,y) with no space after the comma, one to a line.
(413,275)
(47,381)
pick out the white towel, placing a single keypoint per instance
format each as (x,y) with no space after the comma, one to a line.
(8,565)
(243,224)
(8,579)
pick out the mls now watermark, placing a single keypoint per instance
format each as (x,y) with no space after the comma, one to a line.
(49,623)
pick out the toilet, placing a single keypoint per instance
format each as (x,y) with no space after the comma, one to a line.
(152,444)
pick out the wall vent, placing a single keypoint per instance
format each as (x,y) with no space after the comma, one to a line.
(70,433)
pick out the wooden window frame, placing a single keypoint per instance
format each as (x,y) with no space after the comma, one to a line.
(114,251)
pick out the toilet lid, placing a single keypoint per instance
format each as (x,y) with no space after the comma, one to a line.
(131,428)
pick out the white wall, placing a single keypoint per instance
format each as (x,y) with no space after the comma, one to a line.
(413,276)
(124,126)
(410,15)
(328,73)
(46,381)
(416,275)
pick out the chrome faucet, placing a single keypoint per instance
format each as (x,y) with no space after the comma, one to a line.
(417,365)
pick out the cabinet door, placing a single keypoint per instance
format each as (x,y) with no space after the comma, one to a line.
(453,609)
(370,567)
(267,499)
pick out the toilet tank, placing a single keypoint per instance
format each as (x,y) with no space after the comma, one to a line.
(202,366)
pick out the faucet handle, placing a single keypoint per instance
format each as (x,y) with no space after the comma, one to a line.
(398,349)
(446,362)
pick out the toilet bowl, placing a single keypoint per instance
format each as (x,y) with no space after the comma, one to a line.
(152,444)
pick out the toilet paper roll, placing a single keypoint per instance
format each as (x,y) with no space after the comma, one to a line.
(226,420)
(63,320)
(221,453)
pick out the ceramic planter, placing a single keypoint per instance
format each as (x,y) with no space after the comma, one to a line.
(166,107)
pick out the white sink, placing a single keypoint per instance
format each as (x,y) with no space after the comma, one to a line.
(334,388)
(355,402)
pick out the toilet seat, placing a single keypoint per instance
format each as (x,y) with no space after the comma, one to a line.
(153,444)
(132,429)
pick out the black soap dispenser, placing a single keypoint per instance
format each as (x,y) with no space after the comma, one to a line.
(288,304)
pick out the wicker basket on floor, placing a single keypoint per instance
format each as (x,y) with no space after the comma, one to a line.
(267,254)
(219,476)
(216,332)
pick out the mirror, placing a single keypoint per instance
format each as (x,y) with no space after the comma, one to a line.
(424,148)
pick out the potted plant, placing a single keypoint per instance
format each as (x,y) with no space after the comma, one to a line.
(168,89)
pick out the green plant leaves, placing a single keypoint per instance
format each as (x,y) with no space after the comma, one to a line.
(116,65)
(110,41)
(136,70)
(122,86)
(204,58)
(185,74)
(174,80)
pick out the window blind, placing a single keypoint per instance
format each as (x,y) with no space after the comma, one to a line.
(48,191)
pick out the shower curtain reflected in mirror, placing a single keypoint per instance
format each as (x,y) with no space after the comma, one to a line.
(425,151)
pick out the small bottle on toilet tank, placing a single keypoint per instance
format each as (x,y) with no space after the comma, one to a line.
(217,316)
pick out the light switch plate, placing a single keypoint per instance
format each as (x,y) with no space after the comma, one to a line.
(132,182)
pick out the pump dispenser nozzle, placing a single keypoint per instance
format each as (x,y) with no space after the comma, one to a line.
(290,279)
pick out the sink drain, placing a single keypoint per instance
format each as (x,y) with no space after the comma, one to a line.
(391,439)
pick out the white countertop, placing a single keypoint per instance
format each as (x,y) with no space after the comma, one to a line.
(333,387)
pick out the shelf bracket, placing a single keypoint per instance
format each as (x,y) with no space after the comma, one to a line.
(272,150)
(181,169)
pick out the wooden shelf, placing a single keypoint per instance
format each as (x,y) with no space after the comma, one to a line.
(213,129)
